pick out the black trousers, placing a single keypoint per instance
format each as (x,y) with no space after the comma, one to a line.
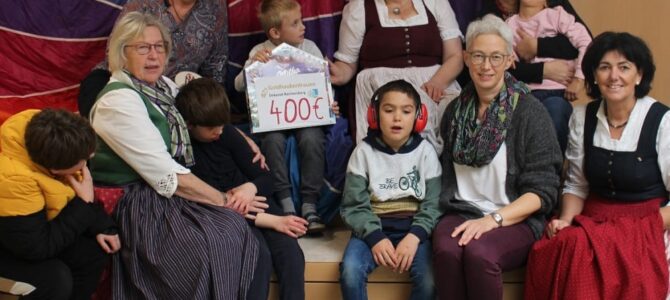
(283,254)
(73,274)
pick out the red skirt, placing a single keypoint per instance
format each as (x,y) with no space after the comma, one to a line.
(613,250)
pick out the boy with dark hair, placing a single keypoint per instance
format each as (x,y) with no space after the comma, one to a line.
(223,160)
(391,194)
(48,222)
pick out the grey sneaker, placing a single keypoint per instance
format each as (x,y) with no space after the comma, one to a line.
(315,224)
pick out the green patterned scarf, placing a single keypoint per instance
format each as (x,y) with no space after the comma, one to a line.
(475,144)
(160,95)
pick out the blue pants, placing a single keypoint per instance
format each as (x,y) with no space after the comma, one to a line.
(559,110)
(358,263)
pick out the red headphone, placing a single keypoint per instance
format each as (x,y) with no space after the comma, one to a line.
(420,120)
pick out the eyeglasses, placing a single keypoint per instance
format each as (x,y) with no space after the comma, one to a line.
(144,48)
(478,58)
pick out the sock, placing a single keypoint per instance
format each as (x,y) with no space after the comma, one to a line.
(308,208)
(287,205)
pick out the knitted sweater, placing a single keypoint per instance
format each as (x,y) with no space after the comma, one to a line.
(533,163)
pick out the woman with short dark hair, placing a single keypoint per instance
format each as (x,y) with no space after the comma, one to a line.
(607,242)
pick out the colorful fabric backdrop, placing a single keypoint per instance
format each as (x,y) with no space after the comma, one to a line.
(47,47)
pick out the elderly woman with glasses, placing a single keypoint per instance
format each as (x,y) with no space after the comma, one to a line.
(500,176)
(180,239)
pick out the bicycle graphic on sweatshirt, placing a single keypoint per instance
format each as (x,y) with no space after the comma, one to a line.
(411,181)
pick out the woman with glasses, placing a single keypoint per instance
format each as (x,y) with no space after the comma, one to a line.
(181,238)
(500,176)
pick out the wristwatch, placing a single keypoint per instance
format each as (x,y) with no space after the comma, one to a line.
(497,217)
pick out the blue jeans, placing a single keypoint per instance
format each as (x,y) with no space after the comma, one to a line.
(358,263)
(559,110)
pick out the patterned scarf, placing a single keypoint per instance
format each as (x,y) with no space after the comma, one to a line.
(160,96)
(475,144)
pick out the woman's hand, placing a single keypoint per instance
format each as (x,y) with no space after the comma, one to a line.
(573,89)
(84,187)
(474,229)
(526,48)
(405,251)
(434,89)
(109,243)
(384,254)
(241,195)
(340,72)
(559,70)
(262,55)
(555,226)
(292,226)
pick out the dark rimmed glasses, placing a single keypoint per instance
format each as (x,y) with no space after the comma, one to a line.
(145,48)
(478,58)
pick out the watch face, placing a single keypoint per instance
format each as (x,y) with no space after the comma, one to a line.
(497,217)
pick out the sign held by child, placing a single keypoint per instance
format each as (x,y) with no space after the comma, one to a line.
(291,90)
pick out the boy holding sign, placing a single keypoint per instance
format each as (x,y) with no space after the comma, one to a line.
(282,22)
(391,194)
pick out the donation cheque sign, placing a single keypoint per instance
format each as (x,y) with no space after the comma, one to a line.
(292,90)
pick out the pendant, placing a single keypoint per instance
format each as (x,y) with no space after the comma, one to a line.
(396,11)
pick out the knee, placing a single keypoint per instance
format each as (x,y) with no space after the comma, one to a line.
(274,140)
(352,273)
(56,282)
(446,253)
(479,257)
(310,138)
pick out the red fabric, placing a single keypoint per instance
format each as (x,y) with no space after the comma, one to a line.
(33,65)
(109,197)
(66,99)
(613,250)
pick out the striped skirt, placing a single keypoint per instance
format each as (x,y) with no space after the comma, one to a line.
(178,249)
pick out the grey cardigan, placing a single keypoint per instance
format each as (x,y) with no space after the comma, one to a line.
(534,162)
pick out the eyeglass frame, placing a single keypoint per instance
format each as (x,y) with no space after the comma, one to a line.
(155,47)
(489,57)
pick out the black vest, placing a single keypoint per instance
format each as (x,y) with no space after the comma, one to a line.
(625,176)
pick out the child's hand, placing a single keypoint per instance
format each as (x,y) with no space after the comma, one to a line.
(292,226)
(336,108)
(109,243)
(526,48)
(406,250)
(262,55)
(83,187)
(573,89)
(384,254)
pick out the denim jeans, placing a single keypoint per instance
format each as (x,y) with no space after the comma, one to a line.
(311,148)
(358,263)
(559,110)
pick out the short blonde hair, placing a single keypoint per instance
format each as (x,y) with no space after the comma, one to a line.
(270,12)
(128,28)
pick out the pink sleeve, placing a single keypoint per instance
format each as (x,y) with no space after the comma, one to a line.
(576,33)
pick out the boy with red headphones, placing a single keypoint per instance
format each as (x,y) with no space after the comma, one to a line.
(391,193)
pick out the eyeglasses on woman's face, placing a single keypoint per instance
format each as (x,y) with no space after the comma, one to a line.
(145,48)
(495,59)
